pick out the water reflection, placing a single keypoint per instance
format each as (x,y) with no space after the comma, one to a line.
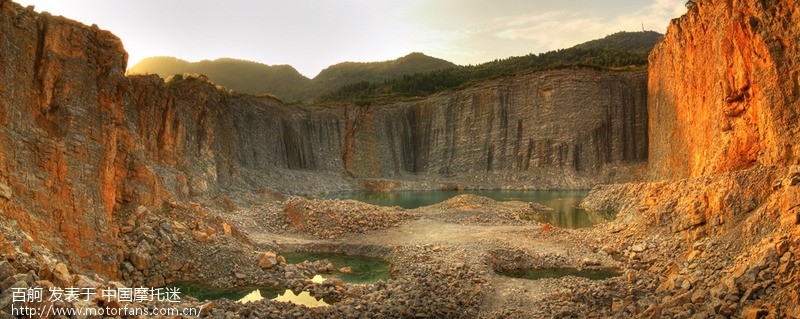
(249,293)
(565,213)
(570,218)
(304,298)
(206,292)
(360,269)
(414,199)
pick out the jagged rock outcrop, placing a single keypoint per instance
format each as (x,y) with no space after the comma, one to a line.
(724,89)
(62,89)
(734,236)
(68,159)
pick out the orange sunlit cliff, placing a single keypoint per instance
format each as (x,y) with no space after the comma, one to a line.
(724,89)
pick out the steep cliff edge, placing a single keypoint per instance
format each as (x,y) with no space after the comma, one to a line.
(68,159)
(571,128)
(556,128)
(62,89)
(724,89)
(724,98)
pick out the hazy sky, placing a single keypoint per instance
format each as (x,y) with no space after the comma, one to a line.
(311,35)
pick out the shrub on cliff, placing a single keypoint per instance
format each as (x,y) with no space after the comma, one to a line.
(195,77)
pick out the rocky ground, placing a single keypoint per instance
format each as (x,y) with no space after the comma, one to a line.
(703,248)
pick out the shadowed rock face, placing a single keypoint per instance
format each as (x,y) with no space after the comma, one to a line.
(570,120)
(724,85)
(80,141)
(557,128)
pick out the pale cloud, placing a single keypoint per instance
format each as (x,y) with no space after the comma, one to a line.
(527,19)
(446,43)
(485,36)
(559,29)
(654,17)
(549,30)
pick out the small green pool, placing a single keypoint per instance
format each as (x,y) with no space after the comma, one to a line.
(244,294)
(534,274)
(205,292)
(363,269)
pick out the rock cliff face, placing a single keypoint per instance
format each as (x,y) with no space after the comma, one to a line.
(575,121)
(63,90)
(80,142)
(723,89)
(724,98)
(557,129)
(204,140)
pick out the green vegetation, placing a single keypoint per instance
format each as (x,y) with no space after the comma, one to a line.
(617,51)
(239,75)
(638,42)
(412,76)
(348,73)
(283,80)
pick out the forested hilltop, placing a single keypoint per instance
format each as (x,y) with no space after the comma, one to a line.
(621,51)
(284,81)
(412,76)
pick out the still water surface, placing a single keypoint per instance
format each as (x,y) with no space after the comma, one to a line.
(564,203)
(534,274)
(363,270)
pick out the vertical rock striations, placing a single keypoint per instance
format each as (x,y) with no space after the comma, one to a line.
(62,89)
(550,129)
(562,121)
(724,85)
(206,140)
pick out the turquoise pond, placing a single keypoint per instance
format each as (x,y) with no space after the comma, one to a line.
(565,213)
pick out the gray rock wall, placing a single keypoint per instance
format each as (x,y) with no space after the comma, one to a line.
(577,120)
(549,129)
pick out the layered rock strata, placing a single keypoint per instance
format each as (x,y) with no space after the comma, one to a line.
(63,95)
(557,129)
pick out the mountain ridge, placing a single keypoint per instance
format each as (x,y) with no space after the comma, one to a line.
(281,79)
(619,51)
(285,82)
